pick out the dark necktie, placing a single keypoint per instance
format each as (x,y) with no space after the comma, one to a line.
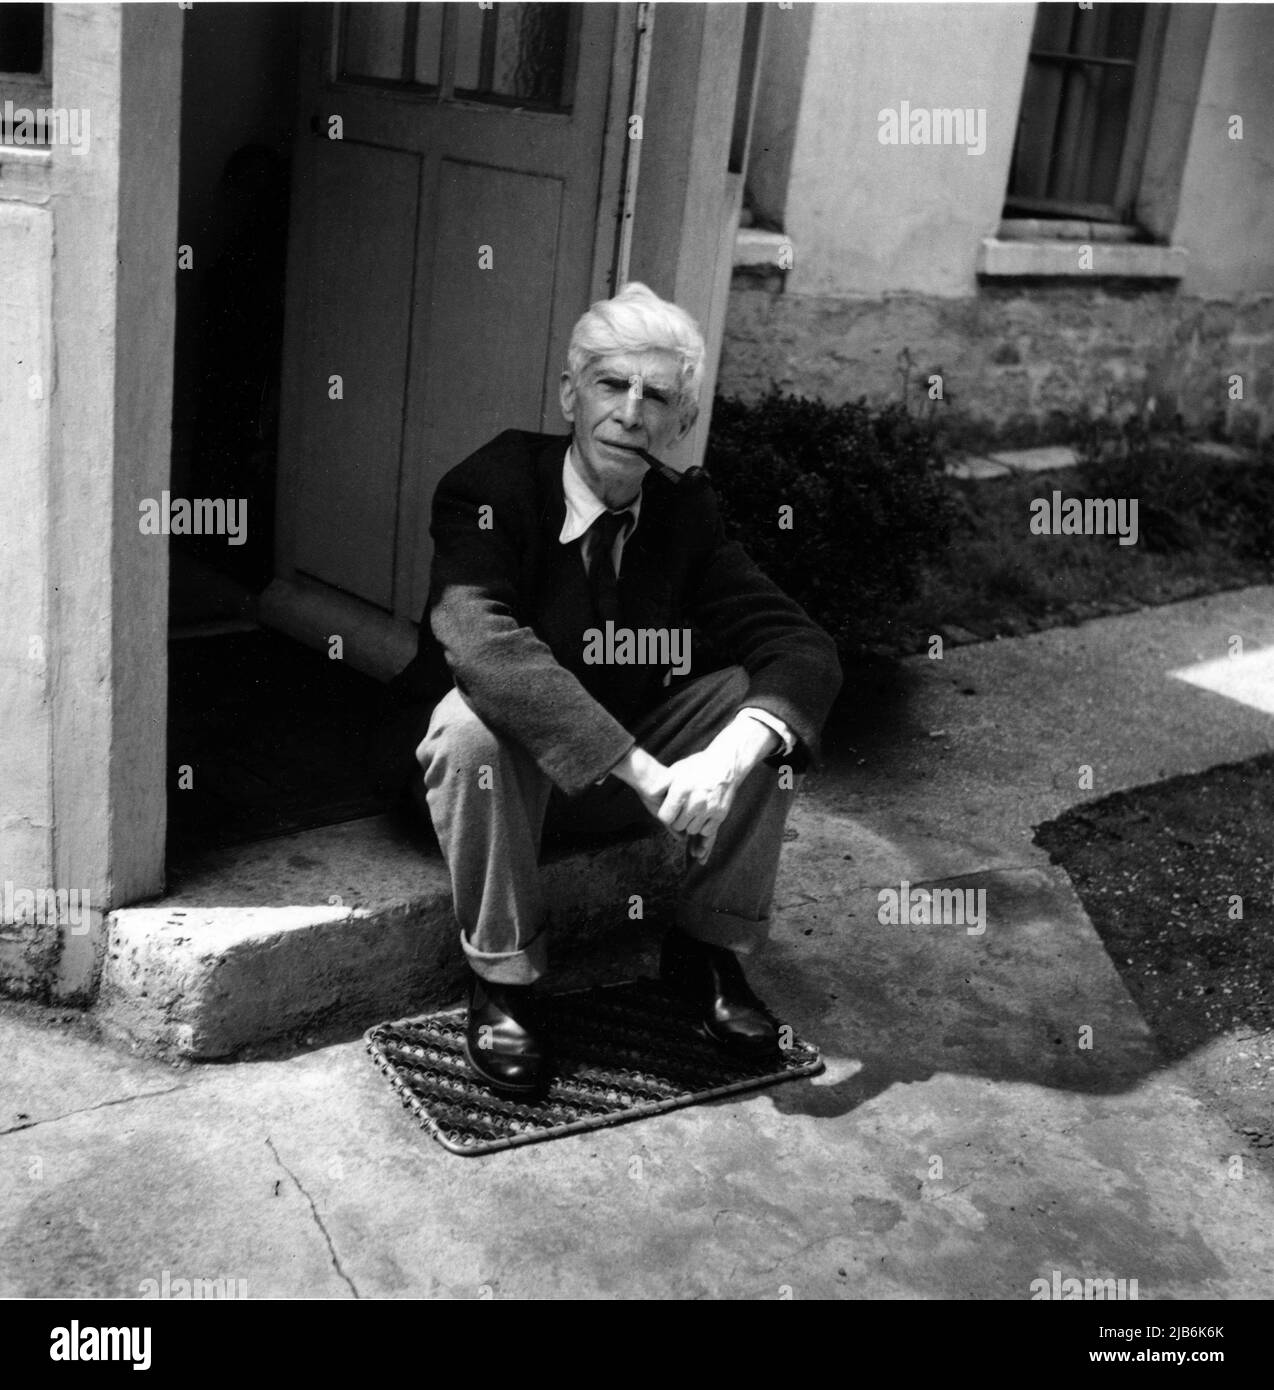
(602,579)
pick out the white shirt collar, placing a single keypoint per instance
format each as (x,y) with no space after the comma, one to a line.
(583,506)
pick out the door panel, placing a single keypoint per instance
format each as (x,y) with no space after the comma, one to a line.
(358,317)
(459,128)
(489,327)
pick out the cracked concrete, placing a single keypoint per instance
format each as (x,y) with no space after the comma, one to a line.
(318,1220)
(962,1142)
(88,1109)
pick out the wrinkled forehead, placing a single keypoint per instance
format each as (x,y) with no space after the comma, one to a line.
(656,367)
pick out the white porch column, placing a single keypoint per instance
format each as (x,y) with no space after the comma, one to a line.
(83,682)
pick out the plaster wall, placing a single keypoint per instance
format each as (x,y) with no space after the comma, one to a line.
(886,237)
(868,218)
(1226,217)
(26,360)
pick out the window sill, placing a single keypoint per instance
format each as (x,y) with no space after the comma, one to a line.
(29,156)
(1062,260)
(1064,229)
(25,170)
(762,252)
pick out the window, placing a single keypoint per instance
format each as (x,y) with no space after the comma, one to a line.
(22,39)
(25,73)
(508,55)
(1084,123)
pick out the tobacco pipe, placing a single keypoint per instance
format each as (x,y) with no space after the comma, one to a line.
(695,474)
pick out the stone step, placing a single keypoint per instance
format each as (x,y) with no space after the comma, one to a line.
(346,924)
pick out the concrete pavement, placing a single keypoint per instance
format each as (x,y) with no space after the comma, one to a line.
(994,1107)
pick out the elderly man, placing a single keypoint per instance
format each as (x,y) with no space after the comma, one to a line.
(591,628)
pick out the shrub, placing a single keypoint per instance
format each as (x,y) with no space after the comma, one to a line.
(1187,502)
(869,504)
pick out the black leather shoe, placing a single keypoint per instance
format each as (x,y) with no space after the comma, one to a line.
(711,978)
(504,1037)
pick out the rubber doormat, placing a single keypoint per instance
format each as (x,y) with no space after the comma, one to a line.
(622,1052)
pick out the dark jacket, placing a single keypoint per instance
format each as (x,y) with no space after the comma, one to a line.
(509,605)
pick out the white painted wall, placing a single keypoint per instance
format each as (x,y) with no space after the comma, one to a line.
(26,362)
(867,218)
(1226,219)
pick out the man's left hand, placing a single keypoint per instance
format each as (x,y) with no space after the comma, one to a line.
(702,786)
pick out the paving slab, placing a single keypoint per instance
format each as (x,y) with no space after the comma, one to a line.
(976,468)
(1048,459)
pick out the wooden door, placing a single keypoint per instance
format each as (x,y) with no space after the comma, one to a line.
(453,213)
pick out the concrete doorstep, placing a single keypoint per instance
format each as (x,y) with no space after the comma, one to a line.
(347,924)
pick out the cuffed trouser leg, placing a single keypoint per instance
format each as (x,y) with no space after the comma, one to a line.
(726,901)
(487,801)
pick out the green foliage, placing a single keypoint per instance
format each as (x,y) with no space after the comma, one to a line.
(884,550)
(868,498)
(1123,431)
(1188,503)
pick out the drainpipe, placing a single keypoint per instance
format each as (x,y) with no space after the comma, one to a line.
(632,155)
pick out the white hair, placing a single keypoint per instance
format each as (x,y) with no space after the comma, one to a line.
(637,320)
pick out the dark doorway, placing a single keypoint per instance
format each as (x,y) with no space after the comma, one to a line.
(238,113)
(265,735)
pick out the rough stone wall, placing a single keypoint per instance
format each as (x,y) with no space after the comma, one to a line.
(1012,356)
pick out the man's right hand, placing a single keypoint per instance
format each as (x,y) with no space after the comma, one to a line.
(650,779)
(647,776)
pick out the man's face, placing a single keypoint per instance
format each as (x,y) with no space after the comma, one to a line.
(623,402)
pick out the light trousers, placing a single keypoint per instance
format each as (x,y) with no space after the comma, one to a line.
(488,802)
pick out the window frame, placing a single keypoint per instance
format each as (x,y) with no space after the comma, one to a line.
(1122,211)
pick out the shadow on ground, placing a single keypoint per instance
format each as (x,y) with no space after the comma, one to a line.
(1176,879)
